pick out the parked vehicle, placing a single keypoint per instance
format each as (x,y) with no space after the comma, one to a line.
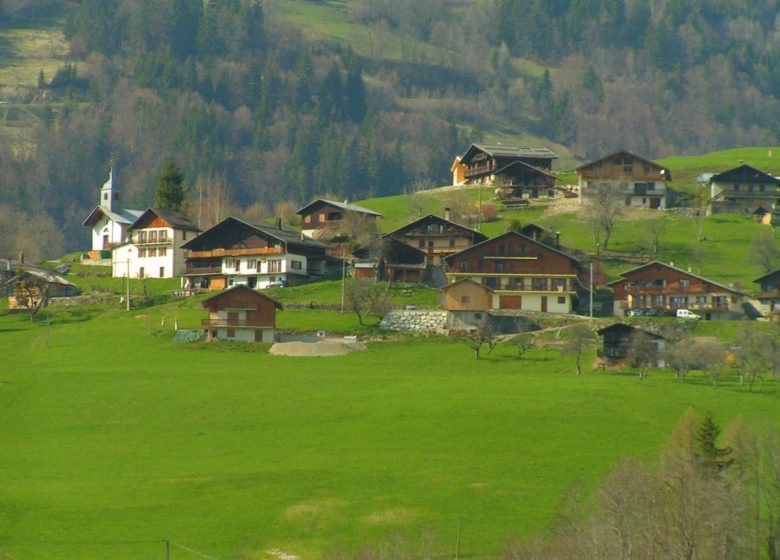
(687,314)
(635,313)
(277,284)
(654,313)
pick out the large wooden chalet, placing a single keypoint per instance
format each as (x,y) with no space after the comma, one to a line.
(437,237)
(327,219)
(666,288)
(496,164)
(743,188)
(640,181)
(617,340)
(389,259)
(236,252)
(241,313)
(521,272)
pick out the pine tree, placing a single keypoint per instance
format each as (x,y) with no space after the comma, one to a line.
(712,460)
(171,192)
(355,93)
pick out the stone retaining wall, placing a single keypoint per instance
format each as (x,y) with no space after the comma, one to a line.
(423,321)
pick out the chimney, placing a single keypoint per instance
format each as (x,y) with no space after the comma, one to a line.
(447,214)
(20,257)
(278,223)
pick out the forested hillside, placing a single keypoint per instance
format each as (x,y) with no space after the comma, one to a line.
(273,102)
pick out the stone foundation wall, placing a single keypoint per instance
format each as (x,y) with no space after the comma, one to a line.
(422,321)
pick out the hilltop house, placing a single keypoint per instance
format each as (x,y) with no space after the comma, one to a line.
(152,249)
(389,259)
(666,288)
(521,272)
(769,296)
(241,313)
(495,164)
(109,222)
(743,188)
(236,252)
(641,181)
(326,219)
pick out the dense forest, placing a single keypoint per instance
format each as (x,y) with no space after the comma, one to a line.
(258,116)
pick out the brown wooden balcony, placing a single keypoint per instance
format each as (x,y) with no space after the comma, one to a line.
(213,323)
(259,251)
(203,269)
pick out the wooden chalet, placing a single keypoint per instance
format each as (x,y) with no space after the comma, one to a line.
(437,237)
(492,164)
(523,273)
(236,252)
(769,296)
(616,341)
(519,181)
(541,234)
(327,219)
(640,181)
(152,247)
(666,288)
(389,259)
(241,313)
(743,189)
(43,285)
(467,304)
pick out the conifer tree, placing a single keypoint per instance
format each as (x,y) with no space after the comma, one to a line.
(171,192)
(712,460)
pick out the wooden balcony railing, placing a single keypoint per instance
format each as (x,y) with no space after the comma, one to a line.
(203,269)
(234,252)
(235,323)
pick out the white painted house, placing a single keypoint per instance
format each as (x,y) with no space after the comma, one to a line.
(152,249)
(109,222)
(641,182)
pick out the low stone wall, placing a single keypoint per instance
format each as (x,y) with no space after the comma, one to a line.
(96,298)
(422,321)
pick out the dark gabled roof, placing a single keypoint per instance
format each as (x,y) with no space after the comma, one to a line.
(532,225)
(241,287)
(523,164)
(283,235)
(48,276)
(500,150)
(685,272)
(175,219)
(124,216)
(433,218)
(766,276)
(534,241)
(744,172)
(626,328)
(666,173)
(451,284)
(311,207)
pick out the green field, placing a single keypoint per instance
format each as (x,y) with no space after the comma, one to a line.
(115,438)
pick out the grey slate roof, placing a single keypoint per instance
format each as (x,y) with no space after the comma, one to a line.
(343,205)
(125,216)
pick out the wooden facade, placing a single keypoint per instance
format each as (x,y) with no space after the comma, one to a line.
(518,181)
(743,188)
(326,219)
(240,313)
(769,294)
(666,289)
(236,252)
(525,274)
(616,342)
(437,238)
(389,259)
(489,164)
(466,295)
(640,181)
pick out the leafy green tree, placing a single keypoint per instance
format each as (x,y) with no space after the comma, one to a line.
(171,193)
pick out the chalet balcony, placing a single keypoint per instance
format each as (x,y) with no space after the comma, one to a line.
(234,252)
(156,241)
(669,290)
(225,323)
(480,169)
(202,270)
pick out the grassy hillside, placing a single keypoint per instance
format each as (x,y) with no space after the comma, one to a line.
(115,438)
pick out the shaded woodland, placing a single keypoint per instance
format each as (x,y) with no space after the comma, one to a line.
(256,116)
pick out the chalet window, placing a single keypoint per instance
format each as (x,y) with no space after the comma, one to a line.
(333,216)
(231,333)
(105,196)
(307,219)
(628,169)
(561,299)
(684,283)
(275,265)
(540,284)
(164,236)
(651,186)
(463,266)
(162,272)
(521,250)
(153,252)
(480,265)
(251,264)
(491,283)
(659,282)
(142,237)
(478,316)
(296,265)
(750,188)
(141,253)
(559,283)
(499,266)
(231,263)
(617,161)
(701,300)
(153,236)
(162,252)
(322,216)
(502,250)
(465,299)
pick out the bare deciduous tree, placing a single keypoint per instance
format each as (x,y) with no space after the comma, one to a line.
(602,205)
(480,337)
(364,297)
(579,338)
(764,251)
(642,352)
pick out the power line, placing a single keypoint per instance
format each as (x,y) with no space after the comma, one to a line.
(202,555)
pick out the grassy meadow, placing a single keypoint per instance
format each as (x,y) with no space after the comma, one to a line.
(115,438)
